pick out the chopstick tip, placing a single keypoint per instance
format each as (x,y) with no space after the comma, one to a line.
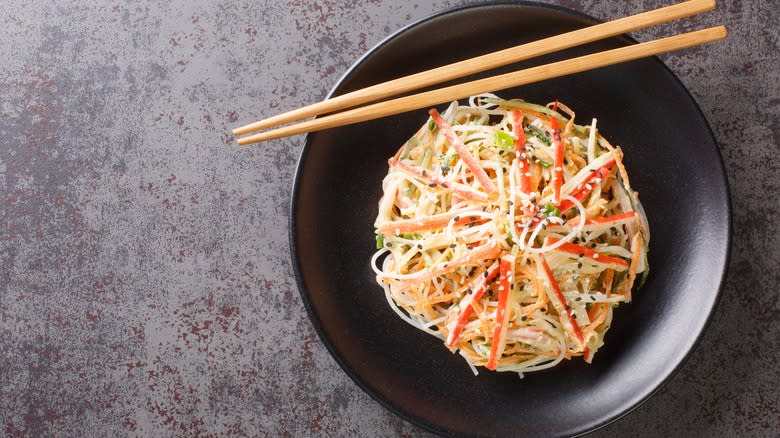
(242,142)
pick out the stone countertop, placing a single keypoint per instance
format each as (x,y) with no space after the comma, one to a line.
(145,282)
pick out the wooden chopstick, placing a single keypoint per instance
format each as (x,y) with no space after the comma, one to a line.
(495,83)
(486,62)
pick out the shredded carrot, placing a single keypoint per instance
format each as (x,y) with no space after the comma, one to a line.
(609,274)
(636,246)
(599,309)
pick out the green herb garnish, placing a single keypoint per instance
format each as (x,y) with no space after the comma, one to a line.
(504,140)
(542,135)
(551,210)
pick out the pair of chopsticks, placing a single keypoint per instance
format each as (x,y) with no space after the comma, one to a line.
(487,62)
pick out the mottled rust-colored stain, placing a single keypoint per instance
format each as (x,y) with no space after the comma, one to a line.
(145,286)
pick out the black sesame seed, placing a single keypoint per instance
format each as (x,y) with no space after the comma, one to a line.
(579,265)
(523,318)
(424,173)
(543,309)
(578,299)
(452,245)
(419,246)
(445,185)
(432,185)
(581,255)
(389,244)
(457,218)
(501,152)
(592,298)
(574,315)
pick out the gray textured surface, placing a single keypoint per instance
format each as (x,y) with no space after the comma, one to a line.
(145,285)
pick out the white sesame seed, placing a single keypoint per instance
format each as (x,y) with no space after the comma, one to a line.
(595,256)
(528,174)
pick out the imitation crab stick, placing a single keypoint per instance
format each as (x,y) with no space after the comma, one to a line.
(584,189)
(487,251)
(434,222)
(461,190)
(581,179)
(465,306)
(463,152)
(558,151)
(614,220)
(502,311)
(559,301)
(578,251)
(522,158)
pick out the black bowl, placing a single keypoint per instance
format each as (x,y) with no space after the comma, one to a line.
(673,162)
